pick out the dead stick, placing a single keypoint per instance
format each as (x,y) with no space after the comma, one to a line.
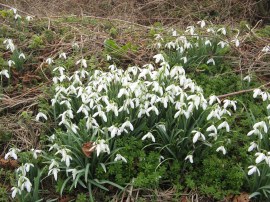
(241,91)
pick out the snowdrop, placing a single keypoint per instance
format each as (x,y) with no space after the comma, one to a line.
(252,146)
(35,152)
(82,62)
(65,157)
(9,44)
(63,55)
(10,63)
(12,153)
(198,135)
(260,157)
(213,99)
(49,61)
(54,171)
(201,23)
(15,190)
(29,18)
(253,169)
(211,60)
(190,158)
(261,125)
(222,149)
(5,73)
(247,78)
(222,31)
(159,58)
(266,49)
(17,16)
(119,157)
(101,146)
(222,44)
(149,135)
(224,125)
(41,115)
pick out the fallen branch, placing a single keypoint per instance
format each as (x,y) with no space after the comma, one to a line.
(241,91)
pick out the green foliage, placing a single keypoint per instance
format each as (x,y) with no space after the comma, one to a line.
(264,32)
(36,42)
(118,51)
(142,169)
(81,198)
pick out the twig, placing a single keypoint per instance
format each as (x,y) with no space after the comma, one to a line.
(241,91)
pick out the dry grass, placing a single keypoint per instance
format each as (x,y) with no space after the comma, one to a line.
(149,11)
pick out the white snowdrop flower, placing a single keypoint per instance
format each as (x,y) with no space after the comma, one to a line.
(101,146)
(49,61)
(152,108)
(15,190)
(54,171)
(174,33)
(41,115)
(208,42)
(268,108)
(211,30)
(29,18)
(26,184)
(14,10)
(127,124)
(74,128)
(9,44)
(65,157)
(119,157)
(211,60)
(17,16)
(256,132)
(247,78)
(158,37)
(149,135)
(236,42)
(260,157)
(114,131)
(190,29)
(108,57)
(190,158)
(224,125)
(101,114)
(54,163)
(201,23)
(252,146)
(12,152)
(197,136)
(159,58)
(184,59)
(222,31)
(74,172)
(253,169)
(261,125)
(5,73)
(222,44)
(212,129)
(221,148)
(10,63)
(264,96)
(82,62)
(228,103)
(75,45)
(35,152)
(63,55)
(256,92)
(213,99)
(266,49)
(27,167)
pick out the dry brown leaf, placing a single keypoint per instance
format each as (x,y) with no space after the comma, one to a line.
(88,148)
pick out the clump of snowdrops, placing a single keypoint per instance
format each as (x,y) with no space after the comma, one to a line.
(157,103)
